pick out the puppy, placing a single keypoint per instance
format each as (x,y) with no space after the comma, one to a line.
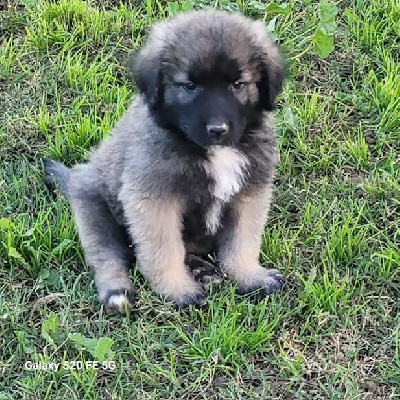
(188,169)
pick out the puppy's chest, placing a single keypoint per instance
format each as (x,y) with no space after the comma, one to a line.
(227,170)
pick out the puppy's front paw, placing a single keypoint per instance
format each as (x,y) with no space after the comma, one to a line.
(196,299)
(117,301)
(261,282)
(182,290)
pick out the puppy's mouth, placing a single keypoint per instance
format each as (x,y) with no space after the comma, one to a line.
(206,141)
(221,142)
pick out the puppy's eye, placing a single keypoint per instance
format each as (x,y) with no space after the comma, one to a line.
(189,86)
(238,85)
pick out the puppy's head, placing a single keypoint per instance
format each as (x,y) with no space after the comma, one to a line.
(209,75)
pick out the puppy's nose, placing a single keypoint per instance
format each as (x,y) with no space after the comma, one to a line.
(217,130)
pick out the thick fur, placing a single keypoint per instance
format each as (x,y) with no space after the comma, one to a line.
(189,167)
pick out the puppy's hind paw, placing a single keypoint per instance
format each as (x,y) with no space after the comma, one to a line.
(119,301)
(204,271)
(266,282)
(198,300)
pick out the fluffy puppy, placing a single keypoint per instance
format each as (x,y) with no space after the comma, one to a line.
(189,167)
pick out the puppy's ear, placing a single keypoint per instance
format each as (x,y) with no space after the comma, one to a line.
(271,68)
(144,67)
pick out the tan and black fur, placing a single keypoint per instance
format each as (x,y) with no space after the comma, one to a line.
(188,169)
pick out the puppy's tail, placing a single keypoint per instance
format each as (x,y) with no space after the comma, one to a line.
(56,175)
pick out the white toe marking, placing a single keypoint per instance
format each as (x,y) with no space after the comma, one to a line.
(118,301)
(227,167)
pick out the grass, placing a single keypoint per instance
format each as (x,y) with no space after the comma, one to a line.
(332,333)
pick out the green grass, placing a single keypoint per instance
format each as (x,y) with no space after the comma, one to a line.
(332,333)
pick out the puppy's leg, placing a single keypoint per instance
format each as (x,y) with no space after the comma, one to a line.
(103,240)
(155,225)
(240,246)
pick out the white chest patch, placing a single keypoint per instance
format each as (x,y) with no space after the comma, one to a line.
(227,168)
